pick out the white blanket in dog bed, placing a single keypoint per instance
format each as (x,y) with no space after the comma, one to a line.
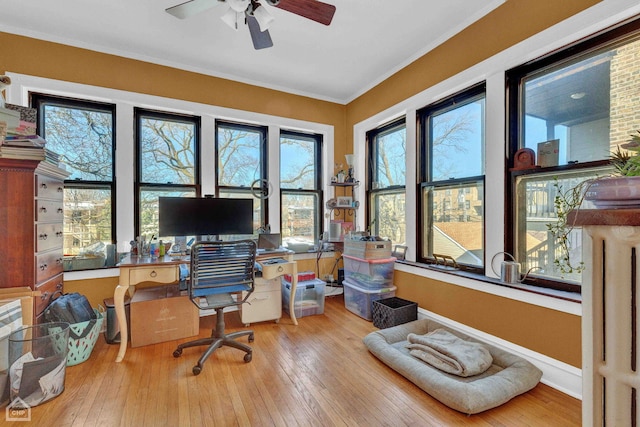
(508,376)
(445,351)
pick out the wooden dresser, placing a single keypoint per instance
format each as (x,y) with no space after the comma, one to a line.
(31,224)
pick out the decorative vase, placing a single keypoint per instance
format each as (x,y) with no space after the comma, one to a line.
(615,192)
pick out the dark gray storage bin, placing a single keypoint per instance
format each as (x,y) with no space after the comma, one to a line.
(393,311)
(112,332)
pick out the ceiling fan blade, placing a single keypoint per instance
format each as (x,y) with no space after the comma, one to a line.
(190,8)
(261,39)
(310,9)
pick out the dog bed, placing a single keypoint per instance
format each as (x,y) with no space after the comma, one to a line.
(507,377)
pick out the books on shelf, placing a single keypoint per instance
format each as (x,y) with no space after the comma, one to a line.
(24,153)
(25,140)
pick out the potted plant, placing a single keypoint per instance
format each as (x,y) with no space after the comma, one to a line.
(619,190)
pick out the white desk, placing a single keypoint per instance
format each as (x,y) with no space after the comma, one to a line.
(166,270)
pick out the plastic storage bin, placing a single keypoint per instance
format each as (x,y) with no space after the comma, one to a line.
(369,273)
(37,363)
(359,300)
(309,298)
(82,339)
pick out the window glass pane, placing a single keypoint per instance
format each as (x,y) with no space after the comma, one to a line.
(457,138)
(454,222)
(388,215)
(149,209)
(298,162)
(84,140)
(535,245)
(87,221)
(587,108)
(389,162)
(239,156)
(167,149)
(300,218)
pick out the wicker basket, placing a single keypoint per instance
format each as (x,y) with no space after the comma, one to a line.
(393,311)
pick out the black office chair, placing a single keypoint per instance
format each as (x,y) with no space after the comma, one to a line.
(220,271)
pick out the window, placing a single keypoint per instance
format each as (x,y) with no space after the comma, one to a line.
(82,134)
(167,152)
(451,198)
(572,109)
(242,165)
(386,181)
(300,187)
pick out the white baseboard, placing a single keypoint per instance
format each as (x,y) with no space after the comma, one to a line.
(556,374)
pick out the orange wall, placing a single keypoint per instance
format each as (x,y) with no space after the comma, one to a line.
(555,334)
(55,61)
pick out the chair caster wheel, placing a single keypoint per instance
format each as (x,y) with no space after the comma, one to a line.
(251,338)
(177,353)
(196,370)
(248,357)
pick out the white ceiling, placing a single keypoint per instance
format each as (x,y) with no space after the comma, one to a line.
(367,41)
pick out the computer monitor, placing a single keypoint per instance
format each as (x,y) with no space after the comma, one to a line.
(208,216)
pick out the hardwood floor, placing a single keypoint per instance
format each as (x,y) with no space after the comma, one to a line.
(316,374)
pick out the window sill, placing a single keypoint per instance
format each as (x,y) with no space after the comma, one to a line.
(569,302)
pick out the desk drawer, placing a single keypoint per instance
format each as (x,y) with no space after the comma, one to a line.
(157,274)
(261,306)
(269,271)
(264,285)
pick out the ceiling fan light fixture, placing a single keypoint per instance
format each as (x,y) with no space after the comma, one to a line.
(263,16)
(239,5)
(231,18)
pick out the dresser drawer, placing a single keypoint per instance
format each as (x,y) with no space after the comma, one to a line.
(49,236)
(48,264)
(158,274)
(49,211)
(49,188)
(47,290)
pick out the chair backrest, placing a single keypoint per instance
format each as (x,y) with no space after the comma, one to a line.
(222,268)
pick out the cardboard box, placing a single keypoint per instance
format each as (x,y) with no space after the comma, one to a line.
(26,296)
(162,314)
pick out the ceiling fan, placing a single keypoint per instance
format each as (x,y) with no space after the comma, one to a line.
(255,15)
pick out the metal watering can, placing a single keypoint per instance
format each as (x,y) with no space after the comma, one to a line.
(510,270)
